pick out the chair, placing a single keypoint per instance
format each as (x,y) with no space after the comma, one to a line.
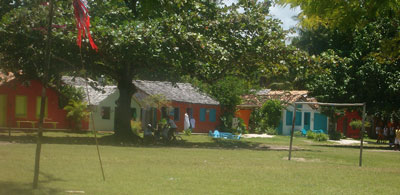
(303,132)
(217,134)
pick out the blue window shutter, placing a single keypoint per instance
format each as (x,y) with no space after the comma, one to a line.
(202,114)
(213,115)
(289,117)
(298,119)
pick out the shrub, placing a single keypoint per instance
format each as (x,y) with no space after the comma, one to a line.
(187,132)
(320,137)
(357,124)
(270,131)
(297,134)
(310,135)
(266,117)
(76,112)
(136,126)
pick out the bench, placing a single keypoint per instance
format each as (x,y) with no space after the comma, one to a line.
(54,124)
(31,122)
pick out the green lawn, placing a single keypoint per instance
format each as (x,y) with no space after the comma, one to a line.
(199,165)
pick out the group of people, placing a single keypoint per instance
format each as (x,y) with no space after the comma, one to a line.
(166,132)
(390,133)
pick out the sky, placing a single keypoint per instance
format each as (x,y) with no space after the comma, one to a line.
(285,14)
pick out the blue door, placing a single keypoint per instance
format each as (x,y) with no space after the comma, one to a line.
(307,120)
(320,122)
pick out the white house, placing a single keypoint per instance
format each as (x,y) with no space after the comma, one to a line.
(102,102)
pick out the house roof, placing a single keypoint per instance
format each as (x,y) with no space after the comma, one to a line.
(97,93)
(287,97)
(181,92)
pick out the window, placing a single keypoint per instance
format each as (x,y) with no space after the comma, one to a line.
(21,106)
(299,105)
(298,119)
(105,112)
(289,117)
(38,103)
(202,114)
(134,114)
(213,115)
(176,114)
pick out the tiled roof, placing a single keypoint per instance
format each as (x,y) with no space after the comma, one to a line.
(181,92)
(97,94)
(287,97)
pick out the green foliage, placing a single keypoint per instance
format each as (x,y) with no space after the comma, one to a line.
(357,124)
(310,135)
(68,93)
(317,136)
(187,132)
(321,137)
(76,112)
(271,131)
(267,117)
(297,134)
(136,127)
(228,91)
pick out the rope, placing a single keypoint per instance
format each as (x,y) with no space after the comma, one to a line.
(91,116)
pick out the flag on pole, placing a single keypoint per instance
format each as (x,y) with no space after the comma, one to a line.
(82,17)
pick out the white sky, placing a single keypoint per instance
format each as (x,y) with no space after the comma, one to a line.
(285,14)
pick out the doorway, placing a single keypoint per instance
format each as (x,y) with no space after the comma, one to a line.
(307,121)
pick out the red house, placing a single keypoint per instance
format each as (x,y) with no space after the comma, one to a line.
(343,124)
(20,106)
(184,98)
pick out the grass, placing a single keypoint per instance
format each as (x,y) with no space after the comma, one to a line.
(199,165)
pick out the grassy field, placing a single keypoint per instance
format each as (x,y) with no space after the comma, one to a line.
(197,165)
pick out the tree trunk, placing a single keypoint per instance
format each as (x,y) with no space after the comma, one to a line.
(123,113)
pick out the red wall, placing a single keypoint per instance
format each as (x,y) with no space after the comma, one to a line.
(200,126)
(244,114)
(32,91)
(353,133)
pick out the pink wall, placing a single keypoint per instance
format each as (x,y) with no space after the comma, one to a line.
(200,126)
(350,116)
(32,90)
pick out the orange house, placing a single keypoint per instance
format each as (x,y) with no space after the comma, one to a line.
(20,106)
(183,98)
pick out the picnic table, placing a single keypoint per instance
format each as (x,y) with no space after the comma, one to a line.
(225,135)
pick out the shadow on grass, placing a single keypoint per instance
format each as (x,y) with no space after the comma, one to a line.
(112,141)
(365,147)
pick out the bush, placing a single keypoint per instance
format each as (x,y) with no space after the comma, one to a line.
(321,137)
(357,124)
(136,126)
(334,135)
(76,112)
(310,135)
(187,132)
(271,131)
(267,117)
(297,134)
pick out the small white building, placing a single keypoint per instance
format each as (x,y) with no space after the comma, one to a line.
(102,102)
